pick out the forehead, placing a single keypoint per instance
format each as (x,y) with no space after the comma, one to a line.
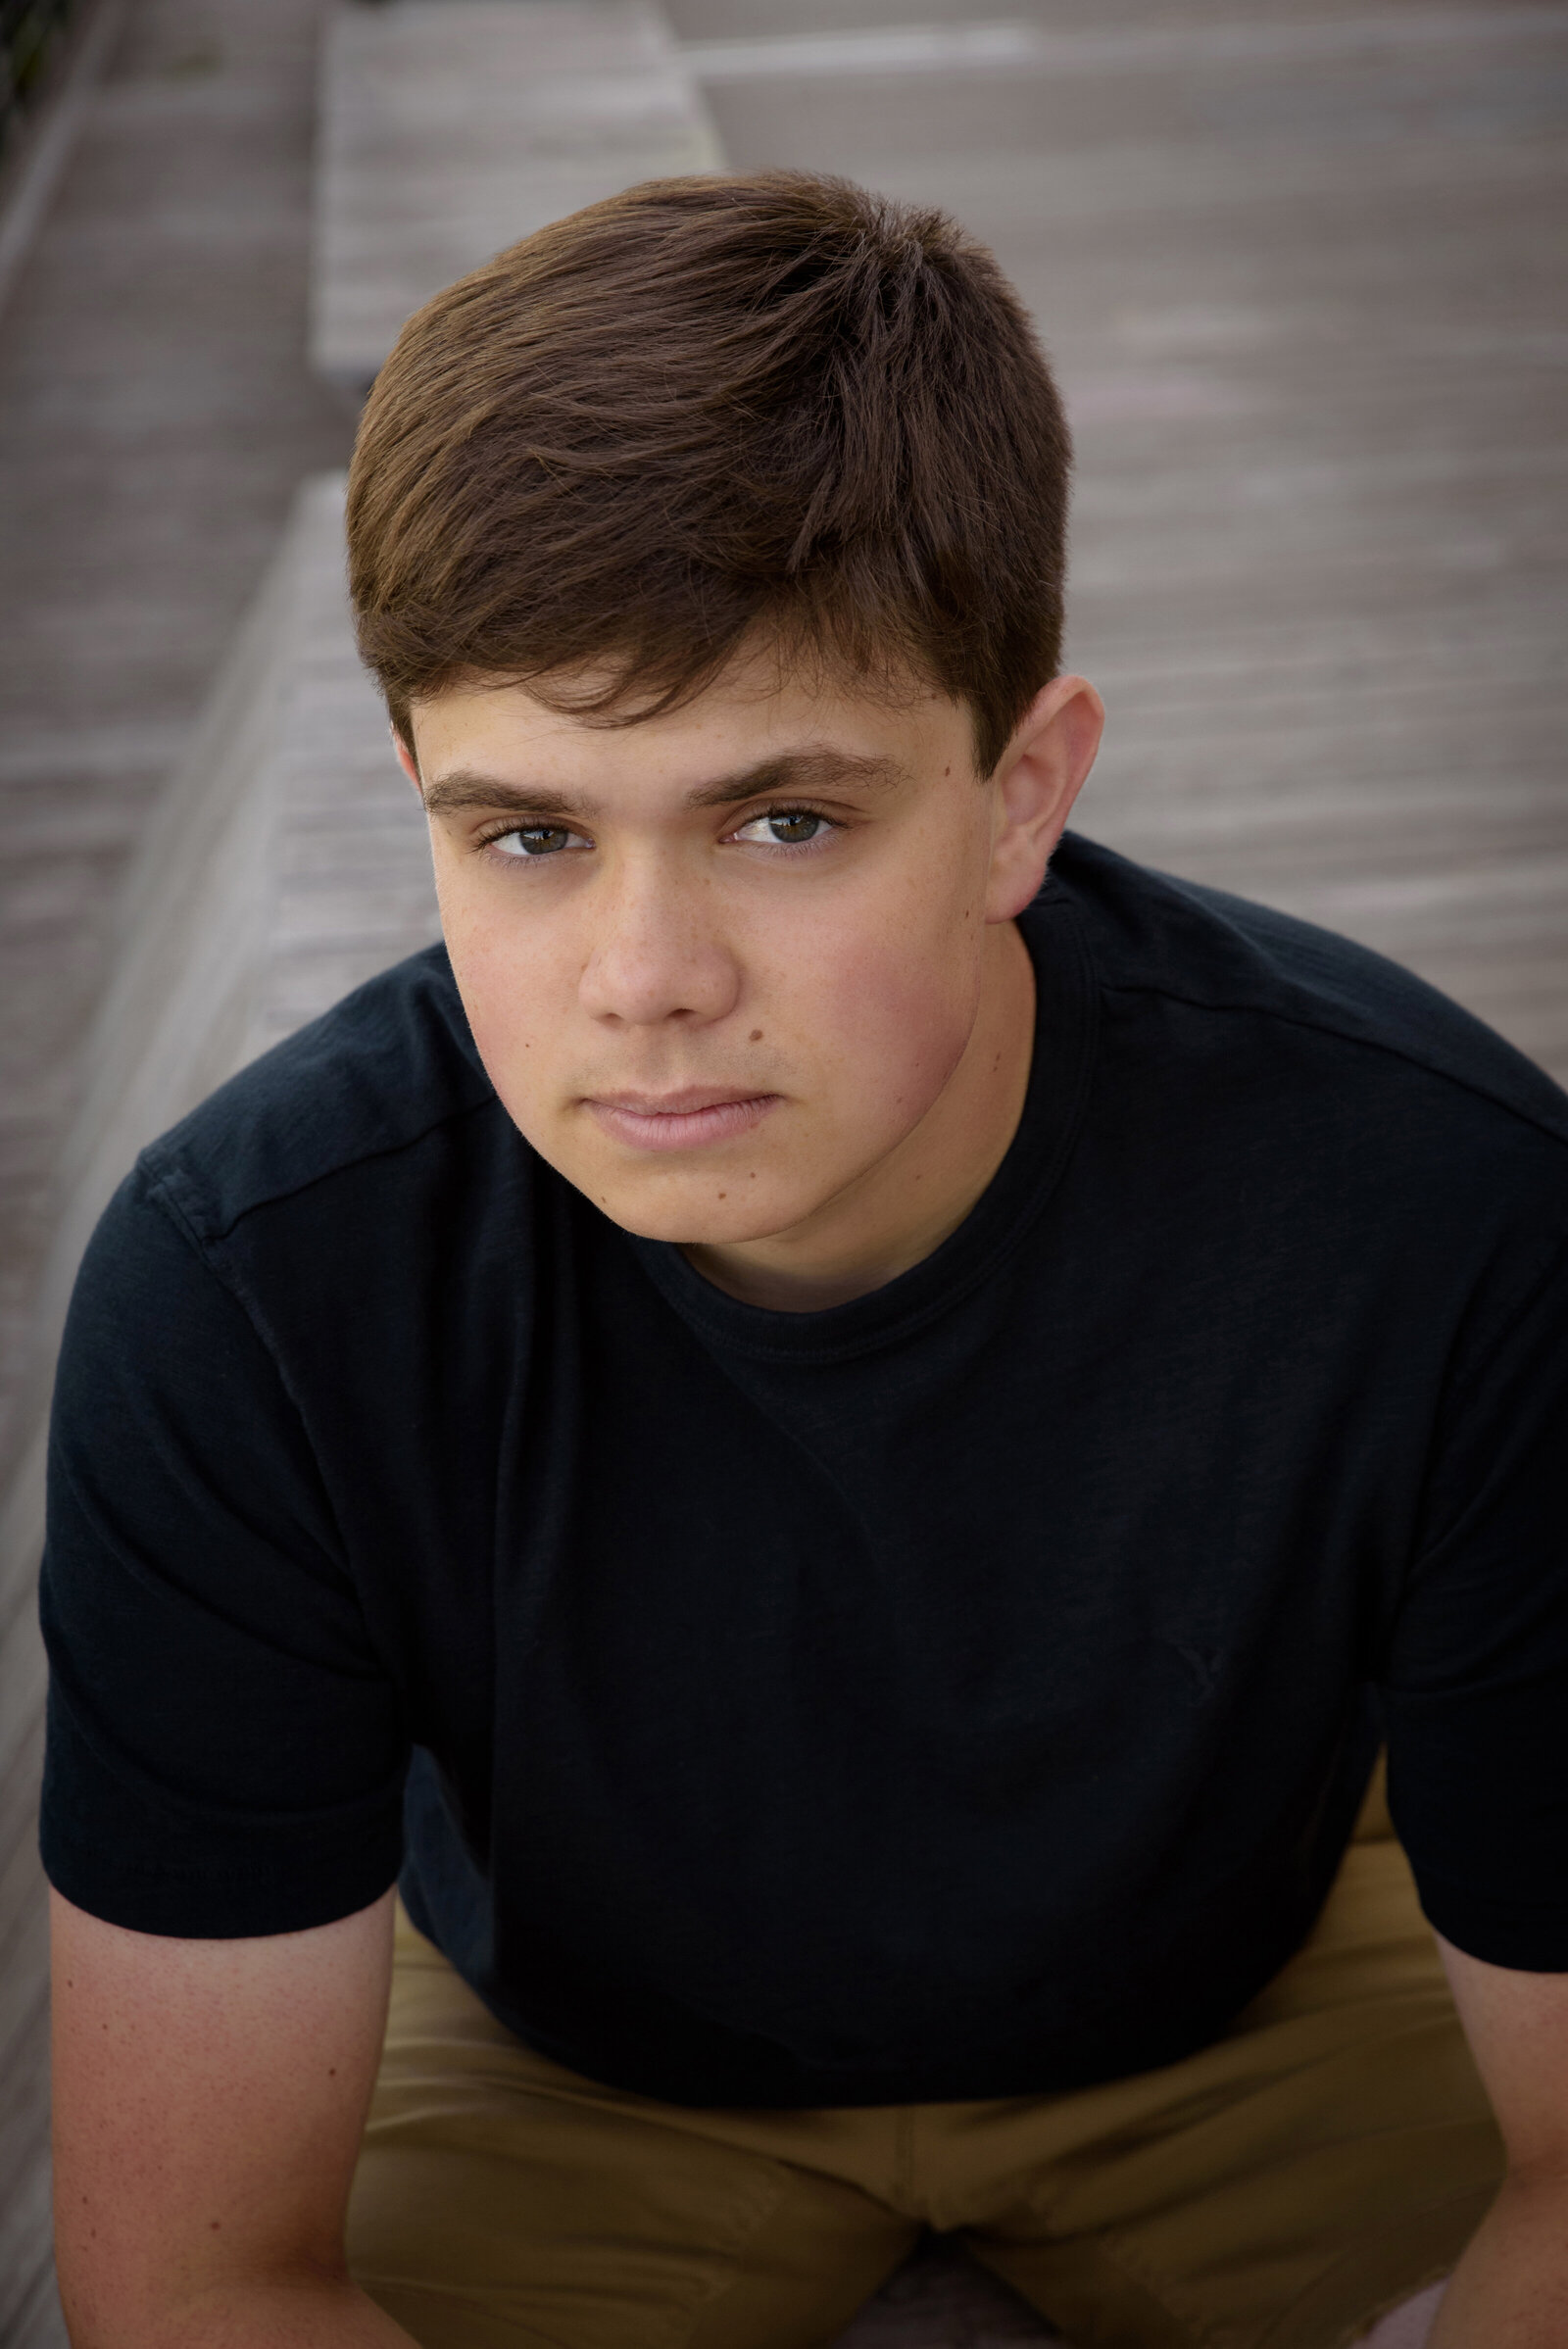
(749,716)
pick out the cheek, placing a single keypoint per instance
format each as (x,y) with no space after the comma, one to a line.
(892,1021)
(509,989)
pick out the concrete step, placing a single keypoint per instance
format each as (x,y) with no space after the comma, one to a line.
(452,127)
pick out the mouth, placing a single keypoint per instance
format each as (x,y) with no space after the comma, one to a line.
(688,1119)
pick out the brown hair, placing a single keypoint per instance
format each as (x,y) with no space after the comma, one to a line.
(713,411)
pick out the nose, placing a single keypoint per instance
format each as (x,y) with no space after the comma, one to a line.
(653,956)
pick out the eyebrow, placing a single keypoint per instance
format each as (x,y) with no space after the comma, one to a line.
(812,770)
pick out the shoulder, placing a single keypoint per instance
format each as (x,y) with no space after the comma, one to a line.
(245,1260)
(1306,997)
(385,1070)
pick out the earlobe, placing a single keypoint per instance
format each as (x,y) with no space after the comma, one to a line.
(1039,777)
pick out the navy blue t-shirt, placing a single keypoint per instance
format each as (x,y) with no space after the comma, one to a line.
(963,1691)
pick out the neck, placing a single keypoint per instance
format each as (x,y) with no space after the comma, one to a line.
(901,1209)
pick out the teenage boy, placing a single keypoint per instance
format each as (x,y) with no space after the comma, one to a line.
(890,1429)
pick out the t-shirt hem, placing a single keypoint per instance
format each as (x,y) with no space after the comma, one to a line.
(218,1902)
(1520,1935)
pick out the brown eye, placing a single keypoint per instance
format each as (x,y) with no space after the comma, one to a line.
(786,828)
(792,827)
(533,840)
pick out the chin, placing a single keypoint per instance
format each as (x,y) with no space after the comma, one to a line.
(688,1215)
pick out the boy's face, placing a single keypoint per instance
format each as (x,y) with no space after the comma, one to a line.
(722,964)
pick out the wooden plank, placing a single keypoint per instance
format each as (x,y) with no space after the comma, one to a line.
(452,127)
(39,2323)
(24,2183)
(22,1678)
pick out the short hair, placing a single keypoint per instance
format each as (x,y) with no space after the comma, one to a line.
(706,413)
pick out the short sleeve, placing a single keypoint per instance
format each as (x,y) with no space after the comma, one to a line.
(1477,1687)
(225,1751)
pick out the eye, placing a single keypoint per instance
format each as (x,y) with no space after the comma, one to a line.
(786,828)
(534,840)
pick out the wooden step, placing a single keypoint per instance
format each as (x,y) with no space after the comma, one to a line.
(452,127)
(286,861)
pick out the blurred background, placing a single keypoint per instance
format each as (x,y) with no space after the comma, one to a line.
(1300,267)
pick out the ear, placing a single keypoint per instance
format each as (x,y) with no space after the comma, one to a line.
(1038,777)
(407,760)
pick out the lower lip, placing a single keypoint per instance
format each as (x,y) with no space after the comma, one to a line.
(687,1129)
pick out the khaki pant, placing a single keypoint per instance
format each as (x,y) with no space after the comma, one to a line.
(1327,2158)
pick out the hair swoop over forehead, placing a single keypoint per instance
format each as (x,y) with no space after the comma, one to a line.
(707,414)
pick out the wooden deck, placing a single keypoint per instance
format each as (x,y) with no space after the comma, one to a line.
(1301,267)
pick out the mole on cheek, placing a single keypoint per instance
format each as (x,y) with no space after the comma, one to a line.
(757,1036)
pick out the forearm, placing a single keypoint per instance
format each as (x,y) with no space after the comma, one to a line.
(306,2312)
(1511,2289)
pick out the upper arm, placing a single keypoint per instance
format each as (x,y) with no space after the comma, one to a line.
(226,1737)
(1517,2027)
(1475,1674)
(209,2101)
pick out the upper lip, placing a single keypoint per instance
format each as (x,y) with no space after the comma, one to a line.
(683,1103)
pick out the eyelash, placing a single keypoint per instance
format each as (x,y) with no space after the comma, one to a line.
(782,848)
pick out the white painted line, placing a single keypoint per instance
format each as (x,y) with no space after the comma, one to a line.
(1016,47)
(893,49)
